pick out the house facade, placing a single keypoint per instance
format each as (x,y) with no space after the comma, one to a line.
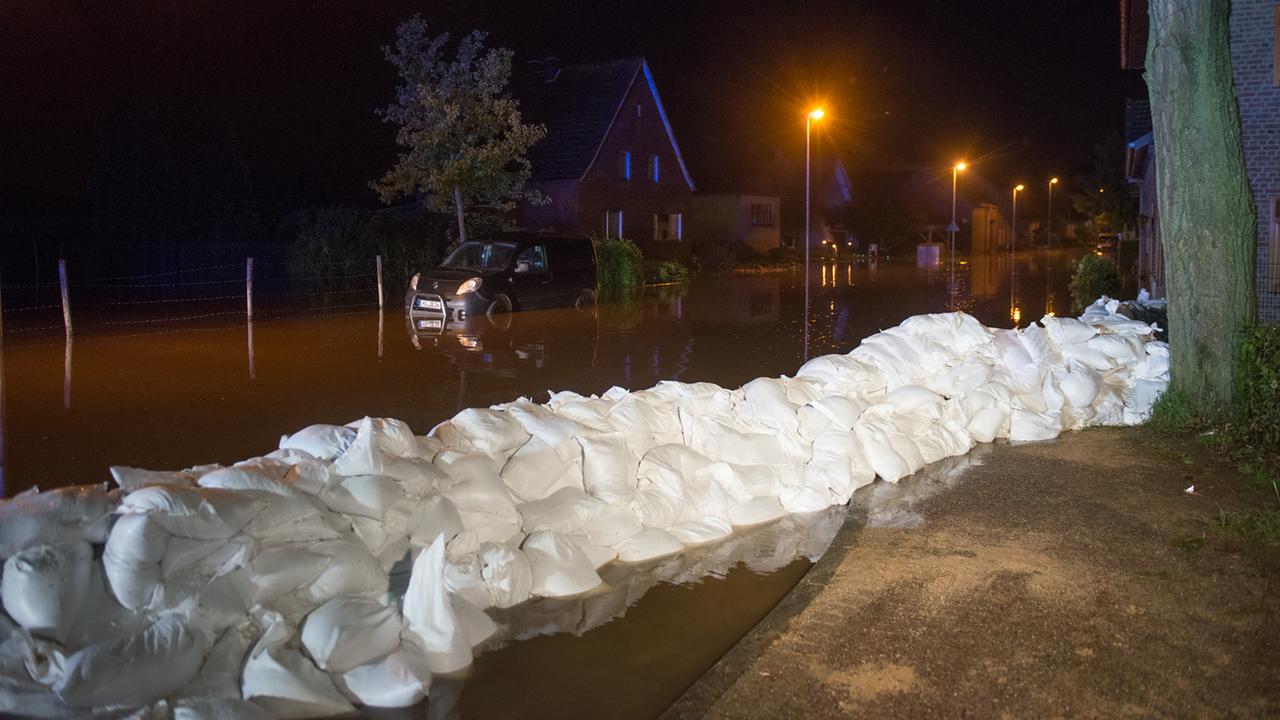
(751,220)
(609,165)
(1255,67)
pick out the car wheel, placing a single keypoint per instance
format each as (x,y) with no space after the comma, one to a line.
(585,300)
(500,305)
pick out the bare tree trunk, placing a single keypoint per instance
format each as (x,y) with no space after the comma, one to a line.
(457,204)
(1207,218)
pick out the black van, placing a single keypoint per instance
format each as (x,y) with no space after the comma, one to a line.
(504,273)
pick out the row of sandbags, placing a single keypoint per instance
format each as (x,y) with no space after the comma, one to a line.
(351,564)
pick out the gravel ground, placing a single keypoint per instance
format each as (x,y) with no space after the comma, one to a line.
(1073,578)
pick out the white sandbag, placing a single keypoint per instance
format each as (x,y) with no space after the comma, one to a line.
(352,570)
(988,424)
(136,670)
(879,451)
(566,511)
(645,421)
(63,515)
(219,708)
(659,507)
(535,471)
(398,680)
(1067,331)
(599,555)
(1030,426)
(481,492)
(559,433)
(277,571)
(911,398)
(832,465)
(1080,387)
(434,516)
(129,479)
(804,499)
(391,436)
(756,511)
(363,456)
(43,588)
(324,442)
(766,404)
(507,574)
(219,675)
(364,495)
(720,442)
(477,626)
(651,544)
(591,412)
(560,568)
(284,680)
(612,526)
(132,558)
(701,532)
(346,632)
(430,617)
(490,431)
(248,477)
(197,513)
(608,468)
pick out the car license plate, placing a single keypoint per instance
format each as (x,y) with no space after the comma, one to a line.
(430,324)
(429,304)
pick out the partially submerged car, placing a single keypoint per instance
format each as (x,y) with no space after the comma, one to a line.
(505,273)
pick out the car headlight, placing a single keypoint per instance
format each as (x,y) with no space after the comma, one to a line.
(413,281)
(468,286)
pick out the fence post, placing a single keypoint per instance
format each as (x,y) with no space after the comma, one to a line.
(377,262)
(66,298)
(248,287)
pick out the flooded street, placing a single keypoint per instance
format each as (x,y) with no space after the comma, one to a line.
(193,393)
(218,393)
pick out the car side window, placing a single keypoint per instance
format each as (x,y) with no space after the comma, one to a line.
(532,259)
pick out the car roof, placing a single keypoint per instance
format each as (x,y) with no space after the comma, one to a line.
(518,236)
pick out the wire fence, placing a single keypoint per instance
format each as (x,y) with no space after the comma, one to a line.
(183,296)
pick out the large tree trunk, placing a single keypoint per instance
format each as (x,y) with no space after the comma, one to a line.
(457,204)
(1207,219)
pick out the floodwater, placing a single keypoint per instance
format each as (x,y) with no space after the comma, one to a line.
(170,395)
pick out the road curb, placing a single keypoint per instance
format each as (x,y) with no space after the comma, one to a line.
(698,699)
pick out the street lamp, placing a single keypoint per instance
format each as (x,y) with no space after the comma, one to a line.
(1048,220)
(1013,245)
(814,114)
(953,227)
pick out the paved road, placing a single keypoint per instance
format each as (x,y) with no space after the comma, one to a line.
(1057,579)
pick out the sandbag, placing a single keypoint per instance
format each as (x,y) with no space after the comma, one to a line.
(490,431)
(650,544)
(535,471)
(346,632)
(560,568)
(197,513)
(324,442)
(43,588)
(608,468)
(430,617)
(129,479)
(507,574)
(283,680)
(63,515)
(401,679)
(566,511)
(136,670)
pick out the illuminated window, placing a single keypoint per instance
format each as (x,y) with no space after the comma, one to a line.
(761,215)
(653,168)
(668,227)
(613,223)
(624,165)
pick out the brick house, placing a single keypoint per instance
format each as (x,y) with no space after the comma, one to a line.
(610,164)
(1255,68)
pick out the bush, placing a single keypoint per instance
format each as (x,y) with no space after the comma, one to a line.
(1258,388)
(782,256)
(715,255)
(1094,276)
(620,265)
(666,271)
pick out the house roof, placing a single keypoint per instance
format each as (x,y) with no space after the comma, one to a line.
(578,105)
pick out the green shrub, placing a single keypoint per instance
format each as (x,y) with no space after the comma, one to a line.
(620,265)
(1094,276)
(666,271)
(1258,388)
(781,256)
(715,255)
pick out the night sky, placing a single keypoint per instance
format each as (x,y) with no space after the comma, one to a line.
(1023,89)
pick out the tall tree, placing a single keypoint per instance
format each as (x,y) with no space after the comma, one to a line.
(462,132)
(1207,218)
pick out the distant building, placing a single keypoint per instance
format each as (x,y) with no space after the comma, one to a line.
(610,164)
(1255,67)
(988,231)
(751,220)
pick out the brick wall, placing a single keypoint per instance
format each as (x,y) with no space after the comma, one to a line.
(1253,59)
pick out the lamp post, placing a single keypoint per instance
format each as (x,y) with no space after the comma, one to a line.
(1013,244)
(953,227)
(1048,220)
(814,114)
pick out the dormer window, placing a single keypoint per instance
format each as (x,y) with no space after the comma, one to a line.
(654,174)
(624,165)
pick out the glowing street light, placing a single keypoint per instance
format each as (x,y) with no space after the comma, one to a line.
(813,116)
(1013,245)
(1048,221)
(953,227)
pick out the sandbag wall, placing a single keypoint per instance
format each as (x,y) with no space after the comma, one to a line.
(270,588)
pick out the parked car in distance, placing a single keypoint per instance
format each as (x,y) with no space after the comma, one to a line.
(1108,242)
(504,273)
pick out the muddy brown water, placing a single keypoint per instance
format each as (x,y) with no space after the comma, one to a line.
(170,395)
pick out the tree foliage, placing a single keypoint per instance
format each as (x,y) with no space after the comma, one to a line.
(458,125)
(1102,194)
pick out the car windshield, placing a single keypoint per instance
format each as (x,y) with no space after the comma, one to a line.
(479,256)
